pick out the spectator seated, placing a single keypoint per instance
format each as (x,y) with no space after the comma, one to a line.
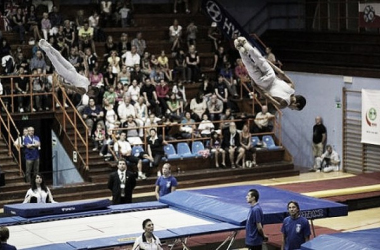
(170,152)
(183,150)
(269,142)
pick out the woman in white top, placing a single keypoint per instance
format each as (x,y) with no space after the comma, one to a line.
(175,33)
(134,91)
(205,126)
(147,240)
(39,192)
(141,109)
(111,117)
(198,107)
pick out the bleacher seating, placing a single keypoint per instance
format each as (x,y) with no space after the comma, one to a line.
(136,150)
(255,141)
(171,153)
(269,142)
(184,151)
(197,146)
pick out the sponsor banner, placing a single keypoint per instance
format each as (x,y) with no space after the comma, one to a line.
(371,116)
(227,23)
(369,15)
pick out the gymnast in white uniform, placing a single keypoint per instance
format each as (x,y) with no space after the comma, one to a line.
(77,82)
(261,71)
(147,240)
(39,192)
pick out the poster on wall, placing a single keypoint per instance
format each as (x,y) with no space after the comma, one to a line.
(370,116)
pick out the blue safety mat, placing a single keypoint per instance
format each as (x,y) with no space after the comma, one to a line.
(228,204)
(28,210)
(12,220)
(204,229)
(364,239)
(137,206)
(57,246)
(69,216)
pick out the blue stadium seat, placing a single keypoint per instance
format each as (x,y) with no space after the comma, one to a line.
(255,140)
(269,142)
(183,150)
(196,146)
(136,150)
(170,152)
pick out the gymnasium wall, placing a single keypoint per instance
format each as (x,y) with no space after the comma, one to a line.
(322,93)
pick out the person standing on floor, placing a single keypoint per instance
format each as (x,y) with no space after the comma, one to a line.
(4,236)
(166,183)
(295,228)
(121,183)
(254,231)
(32,146)
(319,139)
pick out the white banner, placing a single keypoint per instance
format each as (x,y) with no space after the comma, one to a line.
(371,116)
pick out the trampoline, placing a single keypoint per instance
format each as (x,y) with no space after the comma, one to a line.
(176,216)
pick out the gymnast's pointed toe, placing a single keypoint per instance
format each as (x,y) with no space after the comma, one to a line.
(43,44)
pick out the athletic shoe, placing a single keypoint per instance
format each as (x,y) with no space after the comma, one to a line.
(21,110)
(141,176)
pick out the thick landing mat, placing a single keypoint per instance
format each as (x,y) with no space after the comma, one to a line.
(363,239)
(28,210)
(229,204)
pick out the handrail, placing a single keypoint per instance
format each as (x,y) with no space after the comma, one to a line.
(54,97)
(73,122)
(10,139)
(12,94)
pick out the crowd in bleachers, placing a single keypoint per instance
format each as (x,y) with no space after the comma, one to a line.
(129,87)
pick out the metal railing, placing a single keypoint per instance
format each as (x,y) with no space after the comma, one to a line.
(8,124)
(66,120)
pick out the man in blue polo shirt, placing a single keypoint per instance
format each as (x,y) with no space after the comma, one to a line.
(254,233)
(295,228)
(32,146)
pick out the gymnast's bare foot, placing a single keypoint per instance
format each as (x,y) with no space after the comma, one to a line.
(239,44)
(44,44)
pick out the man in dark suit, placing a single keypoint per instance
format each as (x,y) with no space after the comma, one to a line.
(231,144)
(121,183)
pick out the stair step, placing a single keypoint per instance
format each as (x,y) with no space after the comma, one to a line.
(16,186)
